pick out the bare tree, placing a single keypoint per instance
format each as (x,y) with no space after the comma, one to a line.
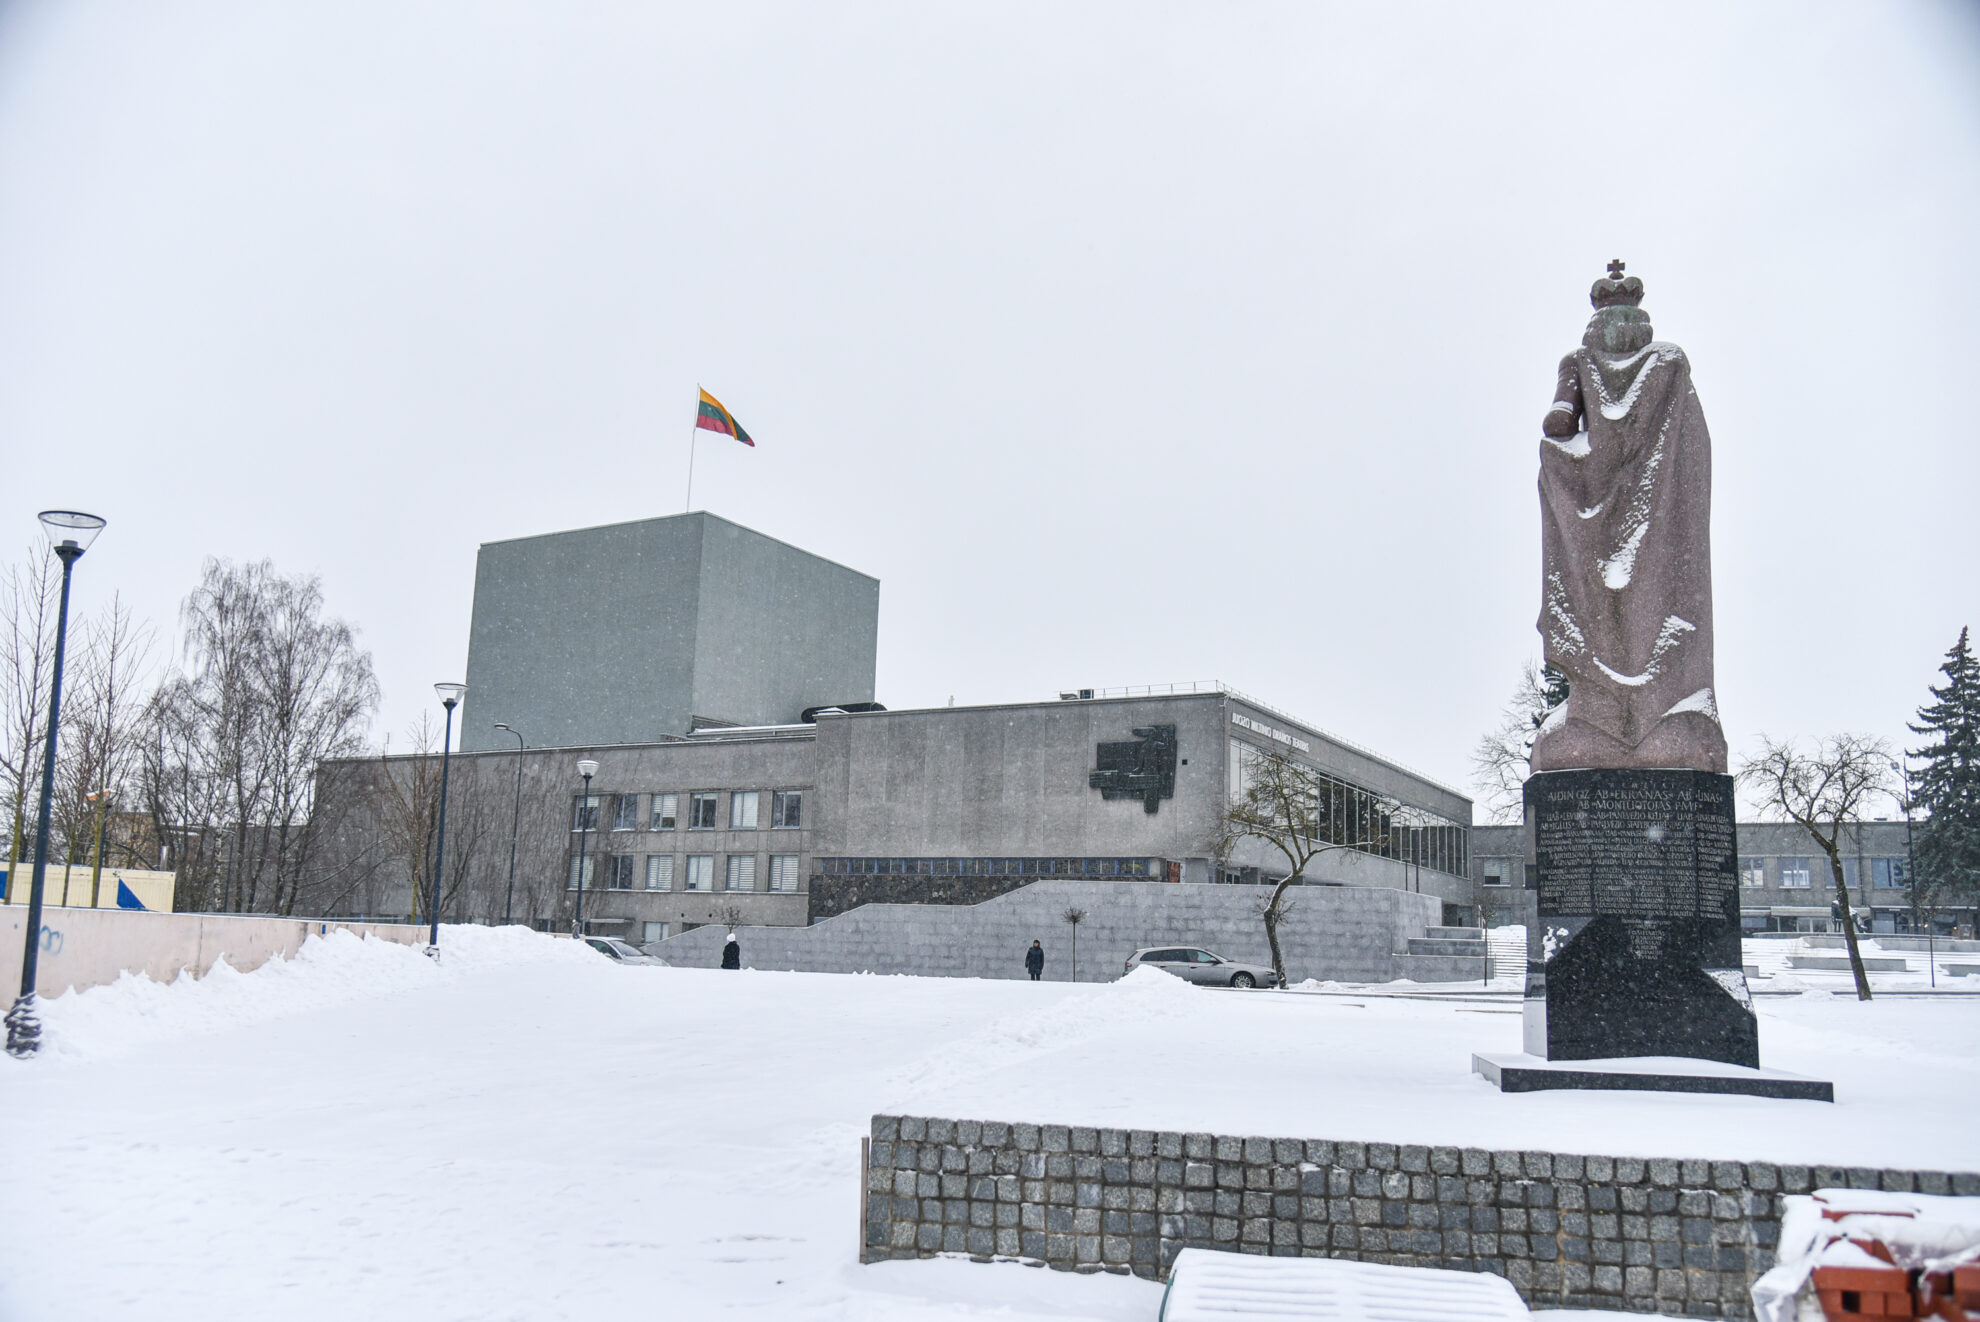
(1074,916)
(29,601)
(1824,793)
(101,739)
(410,785)
(1499,759)
(270,688)
(1291,807)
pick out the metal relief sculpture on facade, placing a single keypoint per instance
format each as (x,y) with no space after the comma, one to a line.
(1144,768)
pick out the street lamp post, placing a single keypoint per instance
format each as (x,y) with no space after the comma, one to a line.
(450,695)
(69,535)
(1911,880)
(586,768)
(515,824)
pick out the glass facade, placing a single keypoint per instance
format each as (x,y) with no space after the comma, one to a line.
(1346,814)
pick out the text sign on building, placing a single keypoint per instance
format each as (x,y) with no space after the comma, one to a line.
(1276,736)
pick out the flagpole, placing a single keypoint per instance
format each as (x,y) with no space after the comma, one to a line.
(689,506)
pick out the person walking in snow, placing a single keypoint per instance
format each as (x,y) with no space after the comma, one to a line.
(1034,961)
(731,953)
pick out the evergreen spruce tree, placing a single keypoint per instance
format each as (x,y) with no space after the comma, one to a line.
(1946,786)
(1554,692)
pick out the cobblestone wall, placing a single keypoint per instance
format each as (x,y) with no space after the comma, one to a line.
(1668,1235)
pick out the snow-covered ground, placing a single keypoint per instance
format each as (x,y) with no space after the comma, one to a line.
(530,1132)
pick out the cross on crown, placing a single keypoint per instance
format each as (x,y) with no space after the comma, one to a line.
(1615,268)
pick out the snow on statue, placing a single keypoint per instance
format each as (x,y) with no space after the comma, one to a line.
(1626,553)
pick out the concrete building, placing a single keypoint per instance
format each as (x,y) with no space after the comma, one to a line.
(784,825)
(1785,885)
(640,631)
(723,683)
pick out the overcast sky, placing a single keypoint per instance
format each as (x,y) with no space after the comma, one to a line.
(1124,344)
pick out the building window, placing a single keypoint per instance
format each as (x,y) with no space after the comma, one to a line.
(1753,872)
(625,813)
(584,811)
(783,872)
(659,872)
(652,932)
(619,872)
(1794,874)
(701,812)
(742,810)
(1887,874)
(742,872)
(590,864)
(701,872)
(1493,871)
(787,810)
(664,808)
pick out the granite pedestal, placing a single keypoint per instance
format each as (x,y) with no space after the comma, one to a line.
(1636,951)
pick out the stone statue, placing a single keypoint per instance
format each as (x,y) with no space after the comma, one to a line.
(1626,554)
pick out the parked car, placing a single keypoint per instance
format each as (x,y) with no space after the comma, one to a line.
(621,952)
(1198,965)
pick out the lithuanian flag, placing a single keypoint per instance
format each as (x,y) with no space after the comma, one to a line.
(711,416)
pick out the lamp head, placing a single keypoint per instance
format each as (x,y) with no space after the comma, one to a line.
(587,768)
(450,694)
(70,529)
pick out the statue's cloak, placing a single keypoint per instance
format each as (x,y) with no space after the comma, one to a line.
(1626,555)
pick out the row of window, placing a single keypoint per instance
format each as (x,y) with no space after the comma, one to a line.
(662,811)
(985,867)
(1794,873)
(625,872)
(1800,873)
(1342,813)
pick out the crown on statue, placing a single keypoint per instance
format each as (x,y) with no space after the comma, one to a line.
(1616,290)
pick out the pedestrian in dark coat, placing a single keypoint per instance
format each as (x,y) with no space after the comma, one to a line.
(1034,961)
(731,953)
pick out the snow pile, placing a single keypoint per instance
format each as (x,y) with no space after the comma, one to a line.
(530,1131)
(331,970)
(1090,1012)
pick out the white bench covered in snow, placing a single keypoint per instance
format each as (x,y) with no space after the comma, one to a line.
(1205,1286)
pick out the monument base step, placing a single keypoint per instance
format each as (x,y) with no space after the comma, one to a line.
(1516,1071)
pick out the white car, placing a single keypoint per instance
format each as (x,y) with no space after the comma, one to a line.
(621,952)
(1194,964)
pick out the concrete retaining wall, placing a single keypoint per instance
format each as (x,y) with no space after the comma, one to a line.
(90,947)
(1347,933)
(1684,1237)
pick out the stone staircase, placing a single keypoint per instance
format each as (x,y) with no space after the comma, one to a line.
(1444,954)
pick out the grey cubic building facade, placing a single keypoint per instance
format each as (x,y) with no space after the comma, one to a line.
(640,631)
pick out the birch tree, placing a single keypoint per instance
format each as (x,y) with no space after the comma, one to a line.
(268,688)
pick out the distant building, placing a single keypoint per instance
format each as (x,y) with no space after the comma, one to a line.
(947,805)
(636,632)
(1784,878)
(723,682)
